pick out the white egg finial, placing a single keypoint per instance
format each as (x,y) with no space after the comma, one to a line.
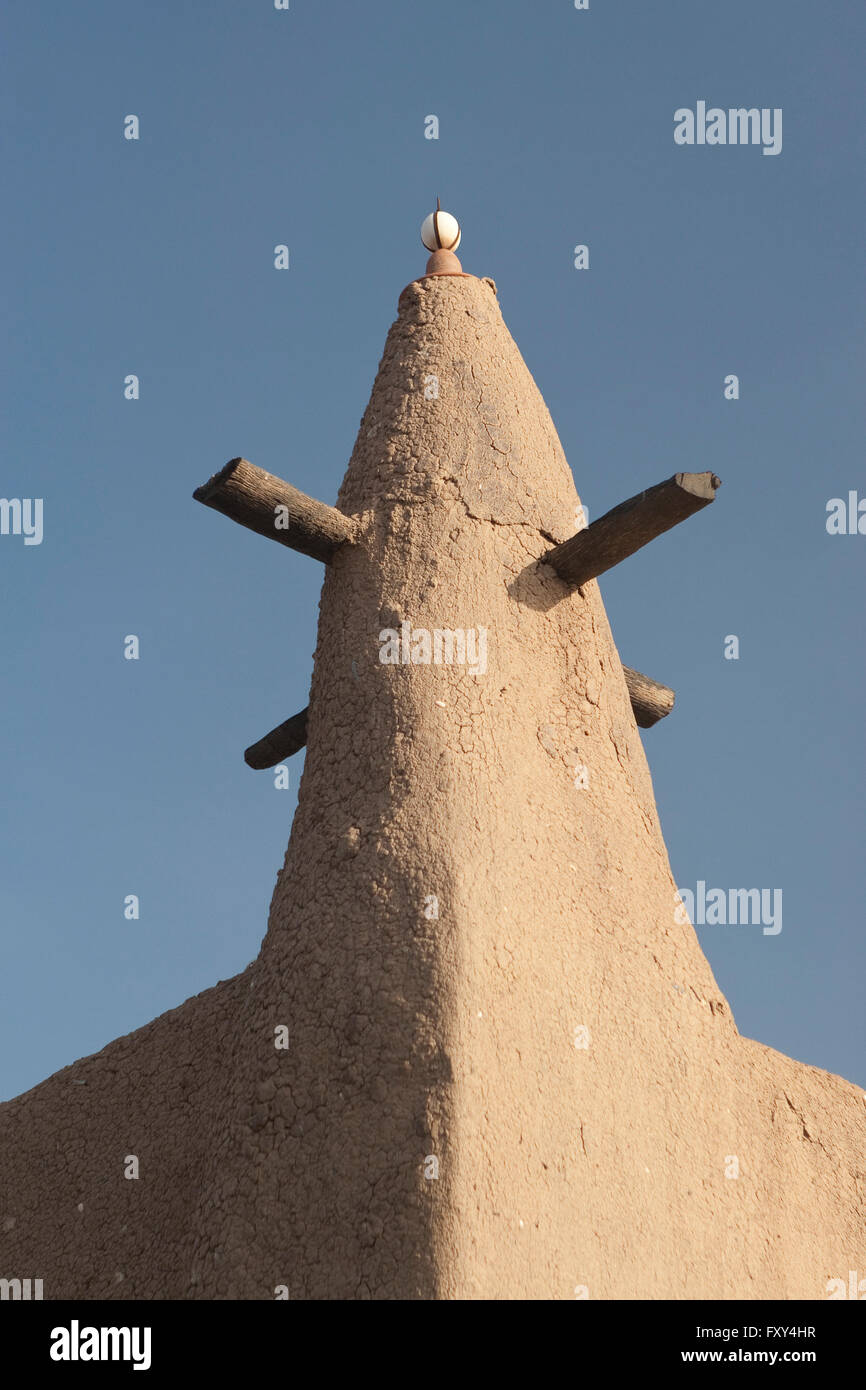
(440,233)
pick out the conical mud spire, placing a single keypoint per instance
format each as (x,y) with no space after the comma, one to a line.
(481,1053)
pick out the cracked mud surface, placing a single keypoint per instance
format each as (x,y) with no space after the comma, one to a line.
(450,1034)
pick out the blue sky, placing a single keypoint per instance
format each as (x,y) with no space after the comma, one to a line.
(155,257)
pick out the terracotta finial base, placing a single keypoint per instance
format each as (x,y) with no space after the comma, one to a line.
(443,262)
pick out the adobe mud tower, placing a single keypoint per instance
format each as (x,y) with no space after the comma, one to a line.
(477,1056)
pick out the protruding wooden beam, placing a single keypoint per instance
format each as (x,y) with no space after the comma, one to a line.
(650,701)
(266,504)
(631,525)
(288,738)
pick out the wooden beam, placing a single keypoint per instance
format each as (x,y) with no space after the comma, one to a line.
(631,525)
(273,508)
(288,738)
(649,701)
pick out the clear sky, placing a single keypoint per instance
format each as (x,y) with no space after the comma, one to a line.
(155,257)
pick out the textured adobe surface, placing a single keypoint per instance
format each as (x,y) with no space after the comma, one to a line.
(413,1034)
